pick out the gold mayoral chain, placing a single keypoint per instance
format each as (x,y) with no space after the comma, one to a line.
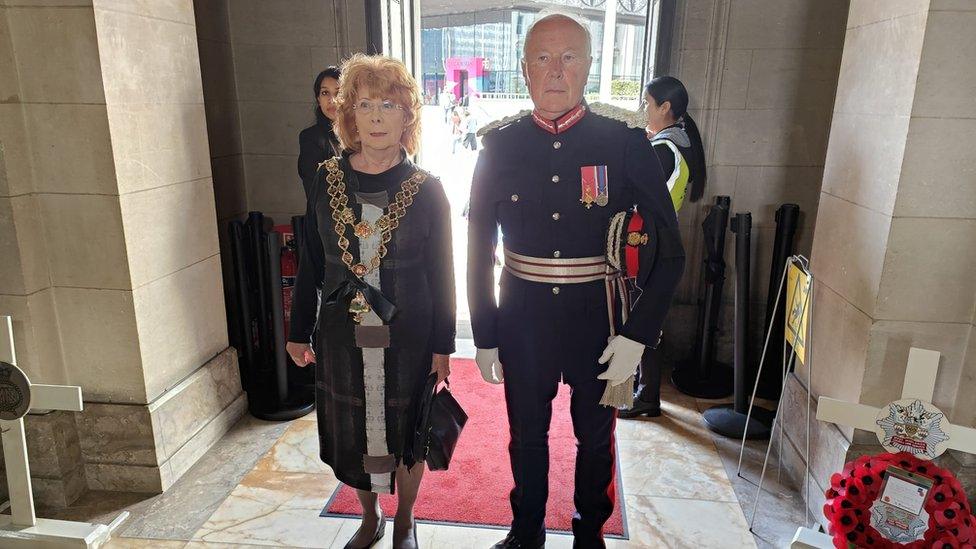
(344,217)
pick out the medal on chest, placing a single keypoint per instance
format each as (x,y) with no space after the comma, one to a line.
(594,186)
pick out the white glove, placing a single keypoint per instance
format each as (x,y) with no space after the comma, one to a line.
(624,355)
(487,361)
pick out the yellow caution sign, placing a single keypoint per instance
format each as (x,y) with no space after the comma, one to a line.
(797,309)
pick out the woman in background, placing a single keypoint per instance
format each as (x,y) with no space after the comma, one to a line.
(318,142)
(675,138)
(678,146)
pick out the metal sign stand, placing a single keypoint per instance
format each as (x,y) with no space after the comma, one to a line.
(787,364)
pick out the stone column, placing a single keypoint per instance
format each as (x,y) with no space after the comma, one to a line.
(893,253)
(53,137)
(121,294)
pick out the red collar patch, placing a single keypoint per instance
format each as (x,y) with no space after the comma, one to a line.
(562,123)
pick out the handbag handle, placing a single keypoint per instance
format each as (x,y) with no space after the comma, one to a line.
(447,381)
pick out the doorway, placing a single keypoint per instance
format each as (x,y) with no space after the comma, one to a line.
(463,88)
(466,57)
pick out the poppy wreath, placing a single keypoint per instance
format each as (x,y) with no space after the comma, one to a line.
(854,490)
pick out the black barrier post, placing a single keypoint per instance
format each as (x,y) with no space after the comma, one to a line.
(245,339)
(701,376)
(742,227)
(257,255)
(277,316)
(715,271)
(259,252)
(770,382)
(730,420)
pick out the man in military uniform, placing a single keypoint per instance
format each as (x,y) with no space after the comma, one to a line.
(553,179)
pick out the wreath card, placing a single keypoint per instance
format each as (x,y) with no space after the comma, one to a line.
(899,514)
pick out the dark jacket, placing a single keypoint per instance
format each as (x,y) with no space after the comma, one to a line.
(316,144)
(416,277)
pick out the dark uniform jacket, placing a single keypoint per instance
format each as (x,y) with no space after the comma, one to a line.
(528,182)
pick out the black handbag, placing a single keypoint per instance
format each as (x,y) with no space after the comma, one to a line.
(440,420)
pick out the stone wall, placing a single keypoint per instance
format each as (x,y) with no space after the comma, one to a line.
(108,203)
(893,252)
(38,124)
(259,61)
(761,78)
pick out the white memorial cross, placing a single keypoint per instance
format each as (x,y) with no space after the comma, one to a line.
(42,397)
(911,424)
(22,528)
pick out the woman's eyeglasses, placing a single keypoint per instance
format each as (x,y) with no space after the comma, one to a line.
(385,107)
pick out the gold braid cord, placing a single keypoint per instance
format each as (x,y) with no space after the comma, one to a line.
(344,217)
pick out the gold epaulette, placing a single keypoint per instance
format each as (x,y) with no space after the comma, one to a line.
(502,122)
(633,119)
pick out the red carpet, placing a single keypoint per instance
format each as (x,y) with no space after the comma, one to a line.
(475,489)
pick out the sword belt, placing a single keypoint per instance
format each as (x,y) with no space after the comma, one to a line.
(576,270)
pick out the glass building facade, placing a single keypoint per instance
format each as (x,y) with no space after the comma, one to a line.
(478,52)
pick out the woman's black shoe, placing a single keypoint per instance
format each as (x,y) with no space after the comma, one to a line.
(640,408)
(380,530)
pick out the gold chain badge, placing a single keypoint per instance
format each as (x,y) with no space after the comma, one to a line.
(344,217)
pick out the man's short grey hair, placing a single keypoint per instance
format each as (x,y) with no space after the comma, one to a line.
(550,13)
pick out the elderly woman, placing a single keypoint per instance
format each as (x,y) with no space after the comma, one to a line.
(378,245)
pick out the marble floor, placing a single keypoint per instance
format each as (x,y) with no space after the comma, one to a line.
(263,485)
(781,508)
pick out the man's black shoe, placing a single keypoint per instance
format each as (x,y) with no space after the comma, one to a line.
(511,543)
(640,408)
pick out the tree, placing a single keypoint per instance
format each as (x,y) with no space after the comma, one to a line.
(625,88)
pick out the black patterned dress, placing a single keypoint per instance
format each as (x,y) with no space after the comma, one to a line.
(369,374)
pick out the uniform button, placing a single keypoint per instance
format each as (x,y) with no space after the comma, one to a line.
(514,198)
(556,145)
(555,216)
(556,253)
(555,179)
(555,290)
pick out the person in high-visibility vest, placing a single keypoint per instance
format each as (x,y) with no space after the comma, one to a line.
(678,145)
